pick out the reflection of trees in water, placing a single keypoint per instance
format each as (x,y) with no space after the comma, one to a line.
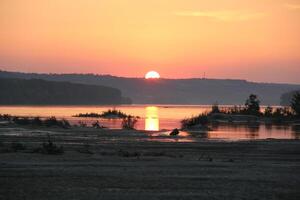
(237,127)
(214,126)
(269,126)
(252,131)
(282,127)
(199,134)
(296,131)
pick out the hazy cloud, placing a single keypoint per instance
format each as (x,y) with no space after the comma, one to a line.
(292,6)
(227,15)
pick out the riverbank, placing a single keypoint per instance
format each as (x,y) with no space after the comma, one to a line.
(120,164)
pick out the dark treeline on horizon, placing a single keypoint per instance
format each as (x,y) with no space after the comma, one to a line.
(174,91)
(41,92)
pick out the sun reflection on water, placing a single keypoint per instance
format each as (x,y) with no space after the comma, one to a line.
(151,120)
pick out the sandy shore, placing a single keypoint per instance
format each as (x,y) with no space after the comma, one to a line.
(118,164)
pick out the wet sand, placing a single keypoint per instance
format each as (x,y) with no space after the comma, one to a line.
(118,164)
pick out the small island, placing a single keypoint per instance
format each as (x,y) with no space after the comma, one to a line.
(109,114)
(249,114)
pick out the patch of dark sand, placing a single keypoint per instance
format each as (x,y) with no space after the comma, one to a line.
(203,169)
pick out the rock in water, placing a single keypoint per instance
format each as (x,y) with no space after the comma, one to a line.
(174,132)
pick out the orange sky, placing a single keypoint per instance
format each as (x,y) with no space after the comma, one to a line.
(246,39)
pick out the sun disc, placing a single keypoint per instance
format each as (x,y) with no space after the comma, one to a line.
(152,75)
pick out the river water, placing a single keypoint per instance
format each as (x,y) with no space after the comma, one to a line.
(158,118)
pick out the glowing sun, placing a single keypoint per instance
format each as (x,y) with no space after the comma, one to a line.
(152,74)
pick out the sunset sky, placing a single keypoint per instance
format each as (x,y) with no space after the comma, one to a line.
(243,39)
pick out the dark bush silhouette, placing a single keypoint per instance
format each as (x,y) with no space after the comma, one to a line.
(215,108)
(5,117)
(268,111)
(129,122)
(52,121)
(295,104)
(49,148)
(65,123)
(252,105)
(97,124)
(281,115)
(82,124)
(37,121)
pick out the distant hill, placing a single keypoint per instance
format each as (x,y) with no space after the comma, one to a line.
(41,92)
(175,91)
(286,98)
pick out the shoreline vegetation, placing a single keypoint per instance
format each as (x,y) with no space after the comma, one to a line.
(35,121)
(250,113)
(128,122)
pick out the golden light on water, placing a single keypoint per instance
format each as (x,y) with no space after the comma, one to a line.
(151,121)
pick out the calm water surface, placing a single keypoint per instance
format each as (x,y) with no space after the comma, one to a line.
(158,117)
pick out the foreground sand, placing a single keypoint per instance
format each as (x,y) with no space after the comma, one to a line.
(133,165)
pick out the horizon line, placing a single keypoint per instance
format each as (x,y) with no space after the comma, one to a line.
(132,77)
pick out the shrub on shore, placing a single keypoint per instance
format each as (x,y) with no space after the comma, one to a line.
(215,108)
(129,122)
(49,147)
(82,124)
(5,117)
(268,111)
(295,104)
(252,105)
(36,121)
(52,121)
(97,124)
